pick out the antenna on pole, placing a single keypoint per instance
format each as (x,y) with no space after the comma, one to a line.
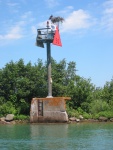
(49,35)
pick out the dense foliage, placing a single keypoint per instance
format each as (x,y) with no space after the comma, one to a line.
(19,83)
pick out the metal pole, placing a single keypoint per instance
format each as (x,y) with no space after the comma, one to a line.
(49,70)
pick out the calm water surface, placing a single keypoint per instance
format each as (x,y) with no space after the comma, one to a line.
(83,136)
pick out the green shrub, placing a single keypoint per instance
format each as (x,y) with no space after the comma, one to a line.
(80,110)
(21,117)
(23,107)
(87,116)
(108,114)
(111,105)
(98,105)
(72,112)
(95,116)
(85,106)
(7,108)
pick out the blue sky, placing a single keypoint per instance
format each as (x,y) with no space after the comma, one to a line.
(86,34)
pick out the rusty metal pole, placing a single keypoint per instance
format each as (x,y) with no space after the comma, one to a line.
(49,69)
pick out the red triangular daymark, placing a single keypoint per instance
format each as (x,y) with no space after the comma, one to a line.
(57,40)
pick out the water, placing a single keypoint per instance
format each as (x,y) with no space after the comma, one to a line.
(83,136)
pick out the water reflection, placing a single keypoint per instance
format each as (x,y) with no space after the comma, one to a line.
(72,137)
(94,136)
(49,136)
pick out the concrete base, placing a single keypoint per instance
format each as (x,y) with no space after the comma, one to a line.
(48,109)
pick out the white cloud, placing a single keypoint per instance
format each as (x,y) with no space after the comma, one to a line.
(65,11)
(13,7)
(69,7)
(108,3)
(76,20)
(42,24)
(51,3)
(108,11)
(12,4)
(19,29)
(14,33)
(26,15)
(34,30)
(107,18)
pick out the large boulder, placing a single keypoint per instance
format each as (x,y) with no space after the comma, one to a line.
(72,119)
(9,117)
(77,120)
(103,119)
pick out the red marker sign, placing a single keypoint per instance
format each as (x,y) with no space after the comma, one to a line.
(57,40)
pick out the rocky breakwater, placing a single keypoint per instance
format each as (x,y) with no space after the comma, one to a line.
(10,119)
(81,119)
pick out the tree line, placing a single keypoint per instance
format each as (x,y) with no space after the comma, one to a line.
(20,82)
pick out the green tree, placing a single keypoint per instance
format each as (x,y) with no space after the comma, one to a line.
(108,91)
(20,82)
(80,91)
(58,77)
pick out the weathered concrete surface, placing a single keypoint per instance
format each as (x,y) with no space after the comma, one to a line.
(50,110)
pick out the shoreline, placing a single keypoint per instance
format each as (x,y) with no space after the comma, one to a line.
(9,119)
(14,122)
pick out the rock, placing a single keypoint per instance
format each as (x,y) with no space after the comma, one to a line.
(4,122)
(81,117)
(111,119)
(92,120)
(9,117)
(77,120)
(2,119)
(13,122)
(72,119)
(103,119)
